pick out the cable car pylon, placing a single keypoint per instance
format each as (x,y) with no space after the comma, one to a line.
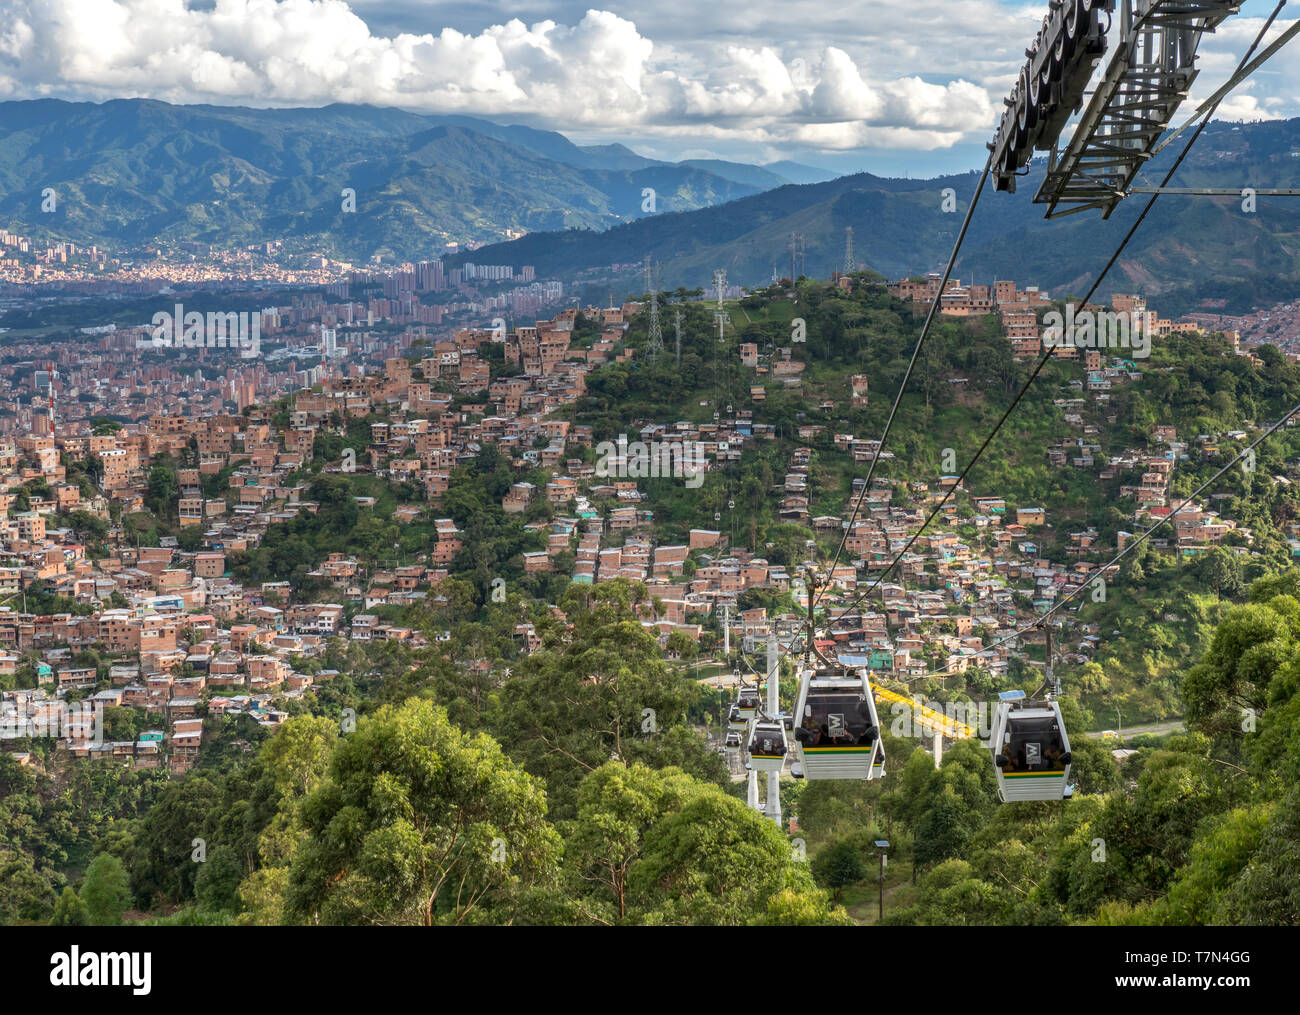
(765,744)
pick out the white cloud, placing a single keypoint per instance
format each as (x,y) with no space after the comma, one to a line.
(599,73)
(1272,92)
(777,76)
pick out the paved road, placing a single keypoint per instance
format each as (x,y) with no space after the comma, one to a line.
(1155,728)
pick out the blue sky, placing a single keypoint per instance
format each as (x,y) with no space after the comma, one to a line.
(894,87)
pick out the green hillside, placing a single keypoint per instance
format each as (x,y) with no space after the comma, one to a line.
(410,787)
(129,173)
(1188,248)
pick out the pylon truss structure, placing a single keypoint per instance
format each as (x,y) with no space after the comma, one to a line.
(1149,75)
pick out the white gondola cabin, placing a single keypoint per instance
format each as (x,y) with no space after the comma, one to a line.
(837,733)
(1031,752)
(767,745)
(736,722)
(748,702)
(732,743)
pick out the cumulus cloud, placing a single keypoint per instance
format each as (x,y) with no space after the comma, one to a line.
(844,96)
(909,78)
(597,73)
(1272,93)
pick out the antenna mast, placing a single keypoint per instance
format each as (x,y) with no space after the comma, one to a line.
(798,261)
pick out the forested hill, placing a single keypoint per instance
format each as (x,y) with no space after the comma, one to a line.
(136,172)
(1188,248)
(533,822)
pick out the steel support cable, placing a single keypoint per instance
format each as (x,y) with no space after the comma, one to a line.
(1213,105)
(902,387)
(1052,349)
(1039,621)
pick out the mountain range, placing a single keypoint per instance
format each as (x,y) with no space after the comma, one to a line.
(132,173)
(1190,249)
(136,172)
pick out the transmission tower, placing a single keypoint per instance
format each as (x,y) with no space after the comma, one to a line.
(720,317)
(849,265)
(655,343)
(797,256)
(677,327)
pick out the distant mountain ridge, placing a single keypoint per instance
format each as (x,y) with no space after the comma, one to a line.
(1188,247)
(131,172)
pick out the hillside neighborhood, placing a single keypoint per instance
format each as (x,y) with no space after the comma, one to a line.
(176,638)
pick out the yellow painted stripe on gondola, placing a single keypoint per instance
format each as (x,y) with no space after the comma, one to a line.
(1033,775)
(839,750)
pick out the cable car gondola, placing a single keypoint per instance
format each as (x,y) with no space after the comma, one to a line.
(748,702)
(768,746)
(735,721)
(1031,752)
(732,743)
(837,733)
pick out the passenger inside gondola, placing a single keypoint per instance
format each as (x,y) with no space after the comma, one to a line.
(1034,745)
(836,720)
